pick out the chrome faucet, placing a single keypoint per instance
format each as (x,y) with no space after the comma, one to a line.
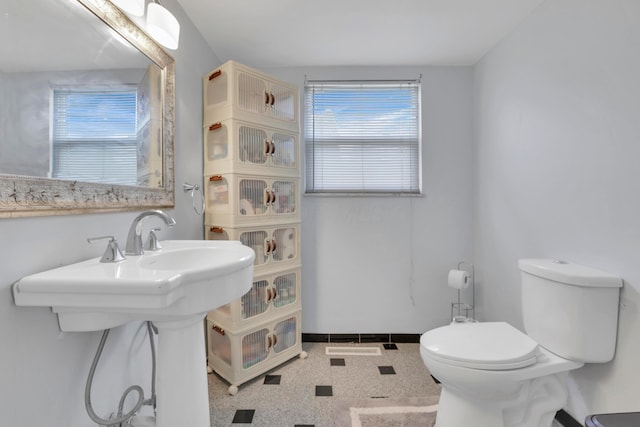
(134,238)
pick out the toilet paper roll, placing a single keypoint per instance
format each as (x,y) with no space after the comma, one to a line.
(459,279)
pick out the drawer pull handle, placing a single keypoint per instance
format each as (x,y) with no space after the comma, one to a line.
(215,74)
(215,126)
(216,230)
(218,329)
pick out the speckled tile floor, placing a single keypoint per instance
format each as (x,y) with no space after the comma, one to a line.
(304,392)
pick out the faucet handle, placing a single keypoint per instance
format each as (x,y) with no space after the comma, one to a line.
(112,253)
(152,243)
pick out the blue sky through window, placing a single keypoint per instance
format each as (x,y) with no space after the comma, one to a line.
(88,115)
(362,112)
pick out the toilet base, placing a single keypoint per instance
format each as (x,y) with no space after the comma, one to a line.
(534,405)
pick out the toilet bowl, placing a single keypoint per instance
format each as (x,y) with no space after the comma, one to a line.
(494,375)
(499,377)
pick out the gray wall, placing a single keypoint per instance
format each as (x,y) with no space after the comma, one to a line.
(43,371)
(25,107)
(380,264)
(556,169)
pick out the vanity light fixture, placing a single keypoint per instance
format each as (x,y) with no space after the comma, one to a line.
(162,25)
(132,7)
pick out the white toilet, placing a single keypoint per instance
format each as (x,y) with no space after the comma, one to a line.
(493,375)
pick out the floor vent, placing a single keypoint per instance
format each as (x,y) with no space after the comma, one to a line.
(353,351)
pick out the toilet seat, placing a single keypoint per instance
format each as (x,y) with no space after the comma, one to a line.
(485,345)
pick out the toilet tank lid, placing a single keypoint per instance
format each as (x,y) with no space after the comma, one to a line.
(569,273)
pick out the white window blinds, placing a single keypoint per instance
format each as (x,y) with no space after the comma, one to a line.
(362,137)
(94,135)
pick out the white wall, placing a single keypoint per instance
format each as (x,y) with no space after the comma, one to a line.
(43,371)
(380,264)
(556,169)
(555,110)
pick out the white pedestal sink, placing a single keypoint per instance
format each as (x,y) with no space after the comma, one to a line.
(174,288)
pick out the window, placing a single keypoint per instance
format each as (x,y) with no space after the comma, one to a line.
(362,137)
(94,135)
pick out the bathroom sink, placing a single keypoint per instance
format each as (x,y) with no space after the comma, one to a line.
(174,287)
(184,278)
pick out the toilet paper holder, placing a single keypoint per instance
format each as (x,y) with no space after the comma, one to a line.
(458,308)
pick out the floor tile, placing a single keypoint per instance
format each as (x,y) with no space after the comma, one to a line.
(337,362)
(324,390)
(272,379)
(243,416)
(386,370)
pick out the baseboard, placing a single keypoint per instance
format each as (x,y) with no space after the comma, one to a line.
(361,338)
(566,420)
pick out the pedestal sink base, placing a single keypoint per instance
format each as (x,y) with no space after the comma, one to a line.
(182,389)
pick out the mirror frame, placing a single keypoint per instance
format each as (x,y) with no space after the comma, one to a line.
(22,196)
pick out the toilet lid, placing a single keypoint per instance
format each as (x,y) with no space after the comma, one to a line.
(480,345)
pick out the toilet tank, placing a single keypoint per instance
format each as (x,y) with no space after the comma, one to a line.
(569,309)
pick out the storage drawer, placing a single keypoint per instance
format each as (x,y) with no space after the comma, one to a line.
(270,294)
(238,356)
(244,199)
(235,146)
(275,246)
(237,91)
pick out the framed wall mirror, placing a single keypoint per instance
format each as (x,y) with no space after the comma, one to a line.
(86,111)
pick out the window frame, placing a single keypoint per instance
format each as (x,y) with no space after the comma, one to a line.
(60,143)
(414,143)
